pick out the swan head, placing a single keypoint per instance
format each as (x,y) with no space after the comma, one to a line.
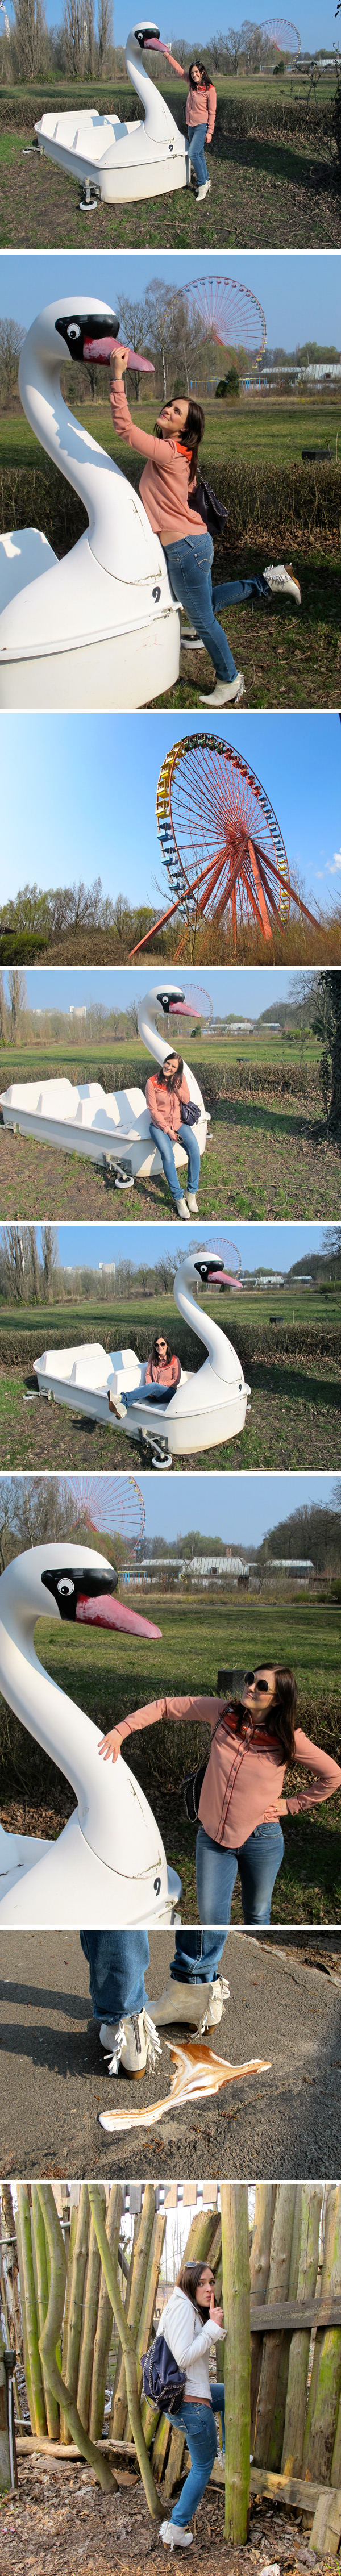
(88,335)
(73,1584)
(169,998)
(208,1269)
(147,36)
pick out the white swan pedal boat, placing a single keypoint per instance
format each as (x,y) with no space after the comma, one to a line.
(120,162)
(209,1404)
(100,628)
(108,1866)
(112,1128)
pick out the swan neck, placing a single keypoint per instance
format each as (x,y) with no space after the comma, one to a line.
(69,445)
(62,1729)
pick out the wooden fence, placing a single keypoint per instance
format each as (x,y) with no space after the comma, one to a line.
(282,2297)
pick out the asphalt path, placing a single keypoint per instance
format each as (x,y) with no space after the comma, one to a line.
(54,2081)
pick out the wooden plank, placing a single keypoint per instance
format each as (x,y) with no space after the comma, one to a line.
(326,2529)
(290,2315)
(301,2491)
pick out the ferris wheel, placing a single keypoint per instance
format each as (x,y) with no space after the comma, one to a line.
(222,846)
(229,312)
(112,1503)
(280,32)
(195,994)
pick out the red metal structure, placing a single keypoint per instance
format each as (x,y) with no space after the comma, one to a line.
(112,1503)
(222,845)
(280,32)
(229,312)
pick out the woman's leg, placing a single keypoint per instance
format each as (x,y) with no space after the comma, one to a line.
(166,1149)
(217,2396)
(189,1140)
(189,567)
(197,1956)
(148,1395)
(259,1862)
(224,592)
(216,1873)
(117,1965)
(197,135)
(198,2423)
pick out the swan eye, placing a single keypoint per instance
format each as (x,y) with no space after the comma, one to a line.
(73,332)
(65,1586)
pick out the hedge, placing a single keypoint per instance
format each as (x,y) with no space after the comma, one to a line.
(161,1757)
(19,1346)
(219,1083)
(266,504)
(238,118)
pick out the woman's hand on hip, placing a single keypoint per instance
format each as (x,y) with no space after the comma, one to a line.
(110,1746)
(118,364)
(217,2314)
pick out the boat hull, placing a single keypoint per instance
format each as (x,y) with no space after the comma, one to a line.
(136,1155)
(67,1886)
(127,182)
(124,669)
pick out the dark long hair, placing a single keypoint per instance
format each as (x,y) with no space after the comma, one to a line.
(194,427)
(204,75)
(173,1081)
(160,1337)
(188,2280)
(283,1712)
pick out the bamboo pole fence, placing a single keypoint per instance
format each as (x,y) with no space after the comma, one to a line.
(87,2317)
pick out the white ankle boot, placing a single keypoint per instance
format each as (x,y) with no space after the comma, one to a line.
(174,2537)
(192,1203)
(133,2040)
(199,2007)
(182,1209)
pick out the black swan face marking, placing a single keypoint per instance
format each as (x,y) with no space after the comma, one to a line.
(210,1269)
(70,1584)
(75,328)
(168,1000)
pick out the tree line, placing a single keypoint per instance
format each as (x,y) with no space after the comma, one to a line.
(35,1509)
(81,46)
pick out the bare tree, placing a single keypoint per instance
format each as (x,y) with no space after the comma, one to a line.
(235,43)
(18,1000)
(3,1021)
(49,1245)
(29,39)
(74,36)
(104,33)
(11,342)
(133,325)
(90,30)
(158,302)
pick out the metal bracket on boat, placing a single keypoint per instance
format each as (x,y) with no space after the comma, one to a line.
(90,198)
(121,1172)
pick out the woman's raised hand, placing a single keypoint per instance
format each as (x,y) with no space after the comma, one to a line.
(118,363)
(216,2313)
(110,1746)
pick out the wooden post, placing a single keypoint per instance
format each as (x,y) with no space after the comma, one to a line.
(279,2276)
(325,2384)
(114,2294)
(88,2325)
(63,2426)
(76,2288)
(104,2320)
(295,2412)
(133,2301)
(275,2446)
(265,2200)
(237,2362)
(42,2301)
(35,2389)
(49,2338)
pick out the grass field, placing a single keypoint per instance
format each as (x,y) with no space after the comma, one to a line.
(273,428)
(23,1062)
(267,1159)
(111,1677)
(267,187)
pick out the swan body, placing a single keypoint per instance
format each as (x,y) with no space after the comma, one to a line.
(108,1865)
(208,1406)
(123,162)
(112,1128)
(100,629)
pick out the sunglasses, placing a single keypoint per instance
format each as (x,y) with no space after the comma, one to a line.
(260,1686)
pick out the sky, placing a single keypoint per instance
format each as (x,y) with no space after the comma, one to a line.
(99,823)
(299,291)
(276,1247)
(249,989)
(239,1509)
(316,19)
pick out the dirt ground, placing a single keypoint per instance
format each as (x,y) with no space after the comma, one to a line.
(59,2519)
(268,1160)
(263,192)
(294,1423)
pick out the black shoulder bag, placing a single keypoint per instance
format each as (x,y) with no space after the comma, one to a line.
(212,512)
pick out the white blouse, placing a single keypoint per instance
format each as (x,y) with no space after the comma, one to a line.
(190,2341)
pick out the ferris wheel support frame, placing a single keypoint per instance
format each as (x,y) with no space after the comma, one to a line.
(260,896)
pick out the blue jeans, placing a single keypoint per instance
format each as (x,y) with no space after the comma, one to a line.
(196,139)
(118,1962)
(187,1138)
(197,2422)
(189,566)
(258,1860)
(148,1395)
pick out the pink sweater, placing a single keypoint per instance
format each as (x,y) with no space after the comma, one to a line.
(243,1783)
(165,479)
(201,108)
(165,1107)
(166,1374)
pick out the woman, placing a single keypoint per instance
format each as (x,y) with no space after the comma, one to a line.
(200,115)
(168,476)
(167,1094)
(241,1799)
(191,2322)
(163,1374)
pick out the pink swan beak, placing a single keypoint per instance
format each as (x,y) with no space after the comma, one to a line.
(99,353)
(106,1612)
(153,45)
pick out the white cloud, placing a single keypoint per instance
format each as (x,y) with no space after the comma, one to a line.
(335,863)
